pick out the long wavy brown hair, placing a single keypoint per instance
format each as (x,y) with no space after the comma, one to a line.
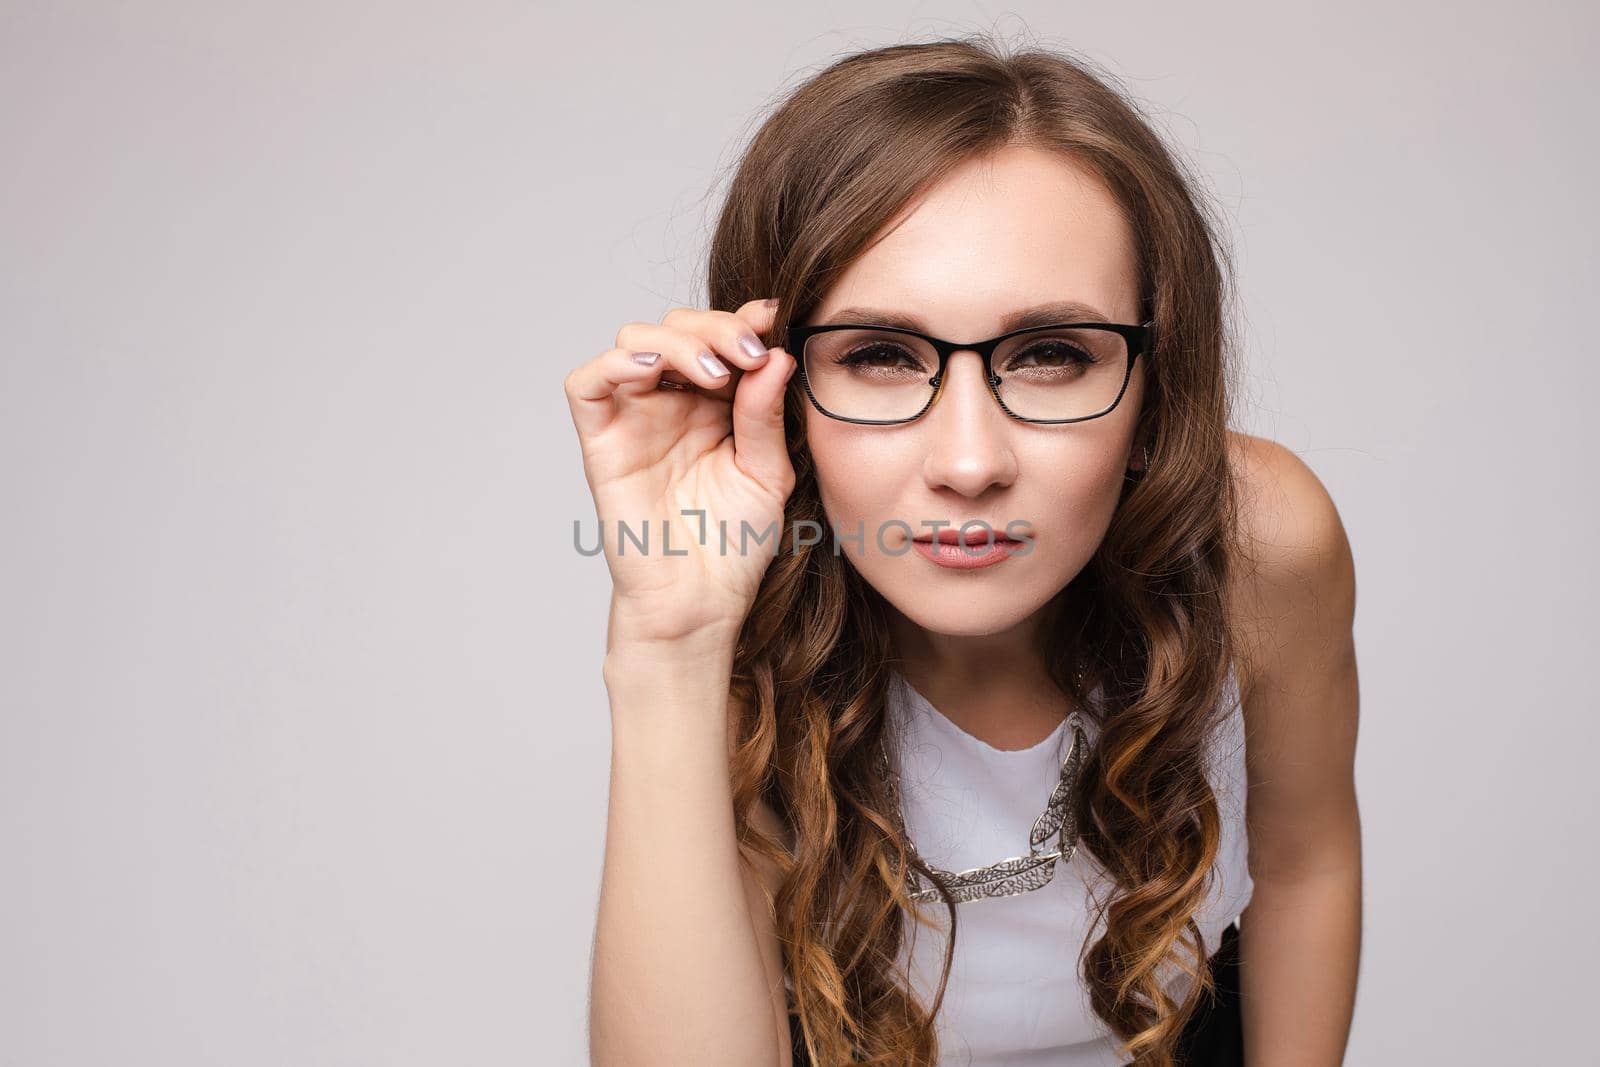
(1146,618)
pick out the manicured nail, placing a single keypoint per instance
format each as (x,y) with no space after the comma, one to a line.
(752,346)
(713,365)
(647,358)
(770,302)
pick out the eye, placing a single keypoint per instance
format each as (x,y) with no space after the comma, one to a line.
(1054,352)
(877,353)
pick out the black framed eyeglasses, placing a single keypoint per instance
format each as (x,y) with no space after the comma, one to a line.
(883,375)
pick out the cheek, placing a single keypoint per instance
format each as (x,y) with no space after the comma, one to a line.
(1074,486)
(836,450)
(868,479)
(1090,464)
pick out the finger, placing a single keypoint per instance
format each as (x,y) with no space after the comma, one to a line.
(760,446)
(740,336)
(592,387)
(724,330)
(687,356)
(760,314)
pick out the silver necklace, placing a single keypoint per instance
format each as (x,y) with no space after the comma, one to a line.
(1020,874)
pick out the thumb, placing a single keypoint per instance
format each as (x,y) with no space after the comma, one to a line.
(760,448)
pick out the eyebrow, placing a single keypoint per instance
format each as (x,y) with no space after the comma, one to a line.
(1050,314)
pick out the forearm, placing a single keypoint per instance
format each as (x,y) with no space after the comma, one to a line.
(1300,947)
(677,972)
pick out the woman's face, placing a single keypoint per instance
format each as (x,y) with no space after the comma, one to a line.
(1019,228)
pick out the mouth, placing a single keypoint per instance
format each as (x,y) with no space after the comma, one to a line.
(951,550)
(974,538)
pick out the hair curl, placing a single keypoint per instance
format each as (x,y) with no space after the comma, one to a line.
(1147,616)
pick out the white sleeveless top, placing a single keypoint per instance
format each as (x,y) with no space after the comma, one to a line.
(1015,996)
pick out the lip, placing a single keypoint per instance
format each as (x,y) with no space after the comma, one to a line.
(953,536)
(948,551)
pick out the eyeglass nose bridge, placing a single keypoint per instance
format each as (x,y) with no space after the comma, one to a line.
(985,351)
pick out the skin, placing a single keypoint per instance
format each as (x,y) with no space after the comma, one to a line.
(1025,227)
(1020,228)
(1300,937)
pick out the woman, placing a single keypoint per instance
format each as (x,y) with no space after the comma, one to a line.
(900,801)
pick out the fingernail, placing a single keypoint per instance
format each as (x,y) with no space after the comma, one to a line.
(647,358)
(770,302)
(713,365)
(752,346)
(792,368)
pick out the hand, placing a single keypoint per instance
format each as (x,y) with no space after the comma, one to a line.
(651,454)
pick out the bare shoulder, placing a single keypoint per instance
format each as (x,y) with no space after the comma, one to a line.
(1297,670)
(1295,574)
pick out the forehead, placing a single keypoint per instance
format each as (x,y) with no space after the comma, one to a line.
(1021,227)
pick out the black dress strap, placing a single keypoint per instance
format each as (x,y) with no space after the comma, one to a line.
(1214,1035)
(797,1042)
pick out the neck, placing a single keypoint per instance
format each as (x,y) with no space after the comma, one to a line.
(994,686)
(967,661)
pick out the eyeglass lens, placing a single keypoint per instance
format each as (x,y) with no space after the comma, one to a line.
(1059,373)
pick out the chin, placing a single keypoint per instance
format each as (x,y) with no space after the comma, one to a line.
(938,620)
(975,603)
(950,611)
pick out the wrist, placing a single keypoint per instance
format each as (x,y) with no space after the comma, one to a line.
(643,631)
(668,678)
(684,656)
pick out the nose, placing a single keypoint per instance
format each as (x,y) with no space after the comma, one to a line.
(969,449)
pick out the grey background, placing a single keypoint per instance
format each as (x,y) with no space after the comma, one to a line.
(304,748)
